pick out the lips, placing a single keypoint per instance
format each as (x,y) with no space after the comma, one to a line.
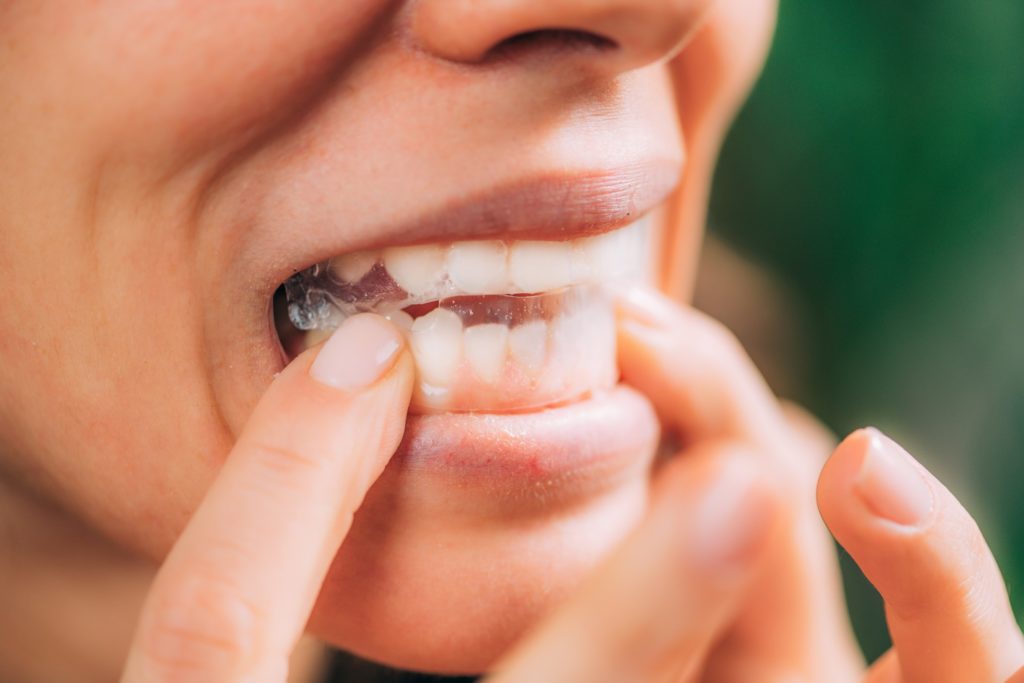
(520,465)
(503,298)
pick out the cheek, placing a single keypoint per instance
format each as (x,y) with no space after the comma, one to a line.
(123,437)
(174,77)
(106,96)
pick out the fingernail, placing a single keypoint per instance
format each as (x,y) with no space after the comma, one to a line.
(889,483)
(733,519)
(359,353)
(644,304)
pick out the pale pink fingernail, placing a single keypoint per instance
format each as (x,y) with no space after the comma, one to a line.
(645,304)
(733,519)
(359,353)
(890,484)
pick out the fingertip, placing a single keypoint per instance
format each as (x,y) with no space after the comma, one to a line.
(945,601)
(363,349)
(892,485)
(835,482)
(638,347)
(871,476)
(645,305)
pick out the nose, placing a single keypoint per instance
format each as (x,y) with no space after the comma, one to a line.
(629,33)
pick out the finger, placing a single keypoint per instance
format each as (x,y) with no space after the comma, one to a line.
(813,438)
(235,592)
(885,670)
(945,600)
(693,370)
(655,606)
(699,378)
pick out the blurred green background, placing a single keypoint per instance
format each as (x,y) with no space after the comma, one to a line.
(878,174)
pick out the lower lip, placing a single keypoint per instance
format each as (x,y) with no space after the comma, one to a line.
(527,462)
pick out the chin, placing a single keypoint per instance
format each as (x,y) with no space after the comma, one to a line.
(447,566)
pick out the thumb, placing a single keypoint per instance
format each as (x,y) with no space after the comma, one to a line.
(236,590)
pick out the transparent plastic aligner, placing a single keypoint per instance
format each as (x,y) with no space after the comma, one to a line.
(509,353)
(484,353)
(398,278)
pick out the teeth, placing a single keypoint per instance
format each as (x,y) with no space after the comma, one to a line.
(541,266)
(583,269)
(612,254)
(479,267)
(601,253)
(437,346)
(515,352)
(415,269)
(485,348)
(567,353)
(353,267)
(527,345)
(432,272)
(400,319)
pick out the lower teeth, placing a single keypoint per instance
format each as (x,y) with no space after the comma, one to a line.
(485,353)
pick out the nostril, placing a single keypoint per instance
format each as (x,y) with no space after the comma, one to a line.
(556,41)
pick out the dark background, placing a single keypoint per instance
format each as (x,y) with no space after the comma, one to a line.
(877,175)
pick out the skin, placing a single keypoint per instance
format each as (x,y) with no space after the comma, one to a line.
(199,459)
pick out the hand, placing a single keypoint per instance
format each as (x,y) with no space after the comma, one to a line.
(667,608)
(945,601)
(233,596)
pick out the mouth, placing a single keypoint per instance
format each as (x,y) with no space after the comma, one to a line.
(493,325)
(513,335)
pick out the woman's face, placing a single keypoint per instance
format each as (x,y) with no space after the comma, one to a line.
(167,165)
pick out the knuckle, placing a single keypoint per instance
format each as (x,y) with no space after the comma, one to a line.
(200,628)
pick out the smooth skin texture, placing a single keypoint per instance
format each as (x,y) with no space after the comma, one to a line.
(232,598)
(186,455)
(167,164)
(682,588)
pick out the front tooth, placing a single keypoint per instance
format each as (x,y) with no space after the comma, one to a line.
(353,267)
(528,345)
(485,347)
(541,266)
(582,262)
(611,254)
(437,346)
(417,269)
(479,267)
(400,319)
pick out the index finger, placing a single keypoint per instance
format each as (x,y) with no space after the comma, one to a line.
(703,382)
(946,603)
(236,590)
(694,371)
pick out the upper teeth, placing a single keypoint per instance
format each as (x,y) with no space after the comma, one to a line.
(415,269)
(434,271)
(478,267)
(488,352)
(543,266)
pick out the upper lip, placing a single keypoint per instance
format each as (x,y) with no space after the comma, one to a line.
(555,206)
